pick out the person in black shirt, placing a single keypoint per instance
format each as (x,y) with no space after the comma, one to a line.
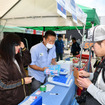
(75,48)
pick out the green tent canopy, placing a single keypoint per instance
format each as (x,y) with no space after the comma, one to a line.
(60,28)
(91,17)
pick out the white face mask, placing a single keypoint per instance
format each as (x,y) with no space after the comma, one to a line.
(49,46)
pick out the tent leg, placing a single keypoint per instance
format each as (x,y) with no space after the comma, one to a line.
(81,47)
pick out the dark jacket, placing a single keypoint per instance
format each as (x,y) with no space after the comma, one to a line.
(11,88)
(59,46)
(75,48)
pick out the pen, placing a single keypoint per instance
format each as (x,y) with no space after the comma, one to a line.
(31,77)
(54,94)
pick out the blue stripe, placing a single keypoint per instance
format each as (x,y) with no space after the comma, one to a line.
(61,8)
(5,86)
(74,17)
(73,3)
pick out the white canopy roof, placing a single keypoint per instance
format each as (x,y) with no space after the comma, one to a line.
(33,13)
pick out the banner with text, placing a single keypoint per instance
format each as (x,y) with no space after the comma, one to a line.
(72,8)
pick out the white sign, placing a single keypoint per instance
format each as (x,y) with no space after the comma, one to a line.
(60,32)
(61,8)
(72,8)
(81,15)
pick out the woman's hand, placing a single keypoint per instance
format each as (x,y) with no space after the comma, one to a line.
(28,80)
(83,73)
(22,45)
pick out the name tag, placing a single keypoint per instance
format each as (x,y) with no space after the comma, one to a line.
(41,54)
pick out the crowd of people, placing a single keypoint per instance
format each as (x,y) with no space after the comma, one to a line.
(14,56)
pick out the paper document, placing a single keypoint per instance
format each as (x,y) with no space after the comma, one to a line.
(28,101)
(49,87)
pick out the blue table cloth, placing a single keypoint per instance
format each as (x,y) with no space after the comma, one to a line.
(65,95)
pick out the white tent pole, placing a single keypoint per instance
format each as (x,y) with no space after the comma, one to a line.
(3,26)
(1,29)
(81,47)
(79,32)
(89,55)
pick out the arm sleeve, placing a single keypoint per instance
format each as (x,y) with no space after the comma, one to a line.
(63,44)
(5,83)
(98,94)
(71,49)
(54,54)
(55,43)
(34,56)
(9,85)
(26,57)
(91,76)
(79,47)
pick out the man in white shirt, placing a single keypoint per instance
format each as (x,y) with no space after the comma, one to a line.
(96,88)
(42,55)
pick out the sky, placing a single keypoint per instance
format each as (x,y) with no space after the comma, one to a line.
(99,5)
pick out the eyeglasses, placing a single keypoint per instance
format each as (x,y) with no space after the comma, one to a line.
(51,41)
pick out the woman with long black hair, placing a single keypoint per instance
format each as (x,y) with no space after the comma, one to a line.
(12,75)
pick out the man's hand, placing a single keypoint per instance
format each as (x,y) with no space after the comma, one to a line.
(84,82)
(83,73)
(54,61)
(44,68)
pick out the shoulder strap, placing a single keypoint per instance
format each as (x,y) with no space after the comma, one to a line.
(96,74)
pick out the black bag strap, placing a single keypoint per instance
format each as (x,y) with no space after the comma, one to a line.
(96,74)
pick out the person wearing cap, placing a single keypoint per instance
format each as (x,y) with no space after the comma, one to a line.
(95,82)
(59,47)
(42,55)
(75,48)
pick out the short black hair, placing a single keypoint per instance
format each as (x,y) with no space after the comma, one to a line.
(59,36)
(73,38)
(49,33)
